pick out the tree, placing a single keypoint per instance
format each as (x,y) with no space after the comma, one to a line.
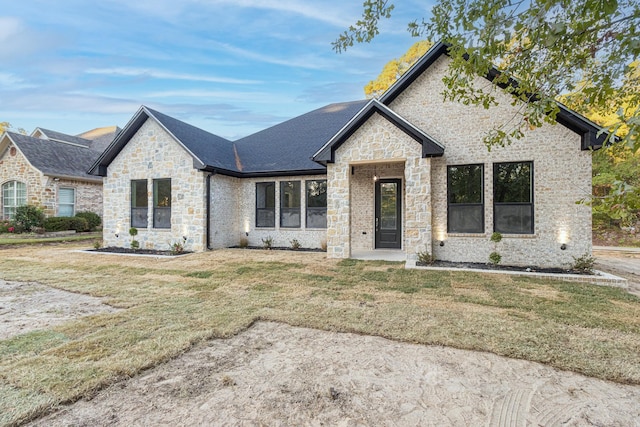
(396,68)
(548,46)
(4,126)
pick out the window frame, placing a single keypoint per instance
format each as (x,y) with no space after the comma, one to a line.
(15,204)
(531,202)
(139,208)
(480,205)
(314,208)
(272,224)
(73,204)
(288,209)
(158,209)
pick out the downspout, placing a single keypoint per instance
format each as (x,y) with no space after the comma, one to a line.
(209,210)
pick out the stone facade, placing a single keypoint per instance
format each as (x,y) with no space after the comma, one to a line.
(153,154)
(378,147)
(282,237)
(42,190)
(562,175)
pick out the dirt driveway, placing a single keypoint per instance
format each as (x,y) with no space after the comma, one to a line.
(623,263)
(275,374)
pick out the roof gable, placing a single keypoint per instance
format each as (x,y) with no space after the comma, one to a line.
(430,147)
(55,158)
(205,148)
(60,137)
(592,135)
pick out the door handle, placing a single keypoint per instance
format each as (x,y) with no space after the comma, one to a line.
(377,228)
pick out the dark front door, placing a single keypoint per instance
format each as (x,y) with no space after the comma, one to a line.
(388,214)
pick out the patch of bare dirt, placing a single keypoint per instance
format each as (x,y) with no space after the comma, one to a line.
(620,263)
(275,374)
(25,307)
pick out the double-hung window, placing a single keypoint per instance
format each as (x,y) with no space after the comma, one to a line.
(290,204)
(66,201)
(465,202)
(162,203)
(316,203)
(139,203)
(513,197)
(14,194)
(265,204)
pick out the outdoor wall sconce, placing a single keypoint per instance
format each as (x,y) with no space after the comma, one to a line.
(563,246)
(246,233)
(117,235)
(441,242)
(184,238)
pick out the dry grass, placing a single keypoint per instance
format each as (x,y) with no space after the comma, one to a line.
(173,303)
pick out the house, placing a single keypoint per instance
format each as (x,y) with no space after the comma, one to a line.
(407,172)
(49,169)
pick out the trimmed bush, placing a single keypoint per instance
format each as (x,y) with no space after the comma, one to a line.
(63,223)
(28,217)
(92,218)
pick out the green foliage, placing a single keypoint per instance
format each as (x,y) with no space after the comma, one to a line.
(495,258)
(177,248)
(97,244)
(584,264)
(295,244)
(425,257)
(267,242)
(6,225)
(496,237)
(135,244)
(28,217)
(93,219)
(549,47)
(64,223)
(133,231)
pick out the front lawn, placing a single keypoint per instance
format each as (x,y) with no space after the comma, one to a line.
(10,239)
(170,304)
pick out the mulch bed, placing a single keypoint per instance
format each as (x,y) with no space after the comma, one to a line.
(484,266)
(113,249)
(279,248)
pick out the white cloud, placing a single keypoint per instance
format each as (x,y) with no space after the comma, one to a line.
(12,82)
(157,74)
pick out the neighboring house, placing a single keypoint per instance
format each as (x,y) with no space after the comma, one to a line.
(49,169)
(408,172)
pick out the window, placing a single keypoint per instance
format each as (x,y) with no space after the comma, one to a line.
(265,204)
(465,204)
(513,197)
(290,204)
(316,204)
(139,204)
(14,194)
(66,201)
(162,203)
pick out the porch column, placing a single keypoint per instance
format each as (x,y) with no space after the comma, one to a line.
(418,237)
(338,211)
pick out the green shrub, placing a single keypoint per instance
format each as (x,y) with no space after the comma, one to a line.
(5,224)
(64,223)
(93,219)
(267,242)
(29,217)
(584,264)
(495,258)
(425,257)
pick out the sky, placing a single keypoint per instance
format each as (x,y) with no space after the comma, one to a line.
(231,67)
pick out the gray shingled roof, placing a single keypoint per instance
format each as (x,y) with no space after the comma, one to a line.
(59,136)
(211,149)
(288,146)
(100,143)
(56,158)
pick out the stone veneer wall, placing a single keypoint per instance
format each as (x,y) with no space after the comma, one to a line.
(562,175)
(42,190)
(225,218)
(153,154)
(377,142)
(308,237)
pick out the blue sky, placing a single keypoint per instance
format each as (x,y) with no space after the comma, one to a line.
(231,67)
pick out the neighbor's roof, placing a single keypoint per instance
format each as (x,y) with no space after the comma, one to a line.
(55,158)
(288,147)
(52,135)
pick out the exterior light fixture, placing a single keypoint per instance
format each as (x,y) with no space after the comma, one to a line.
(117,235)
(563,246)
(246,233)
(441,242)
(184,238)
